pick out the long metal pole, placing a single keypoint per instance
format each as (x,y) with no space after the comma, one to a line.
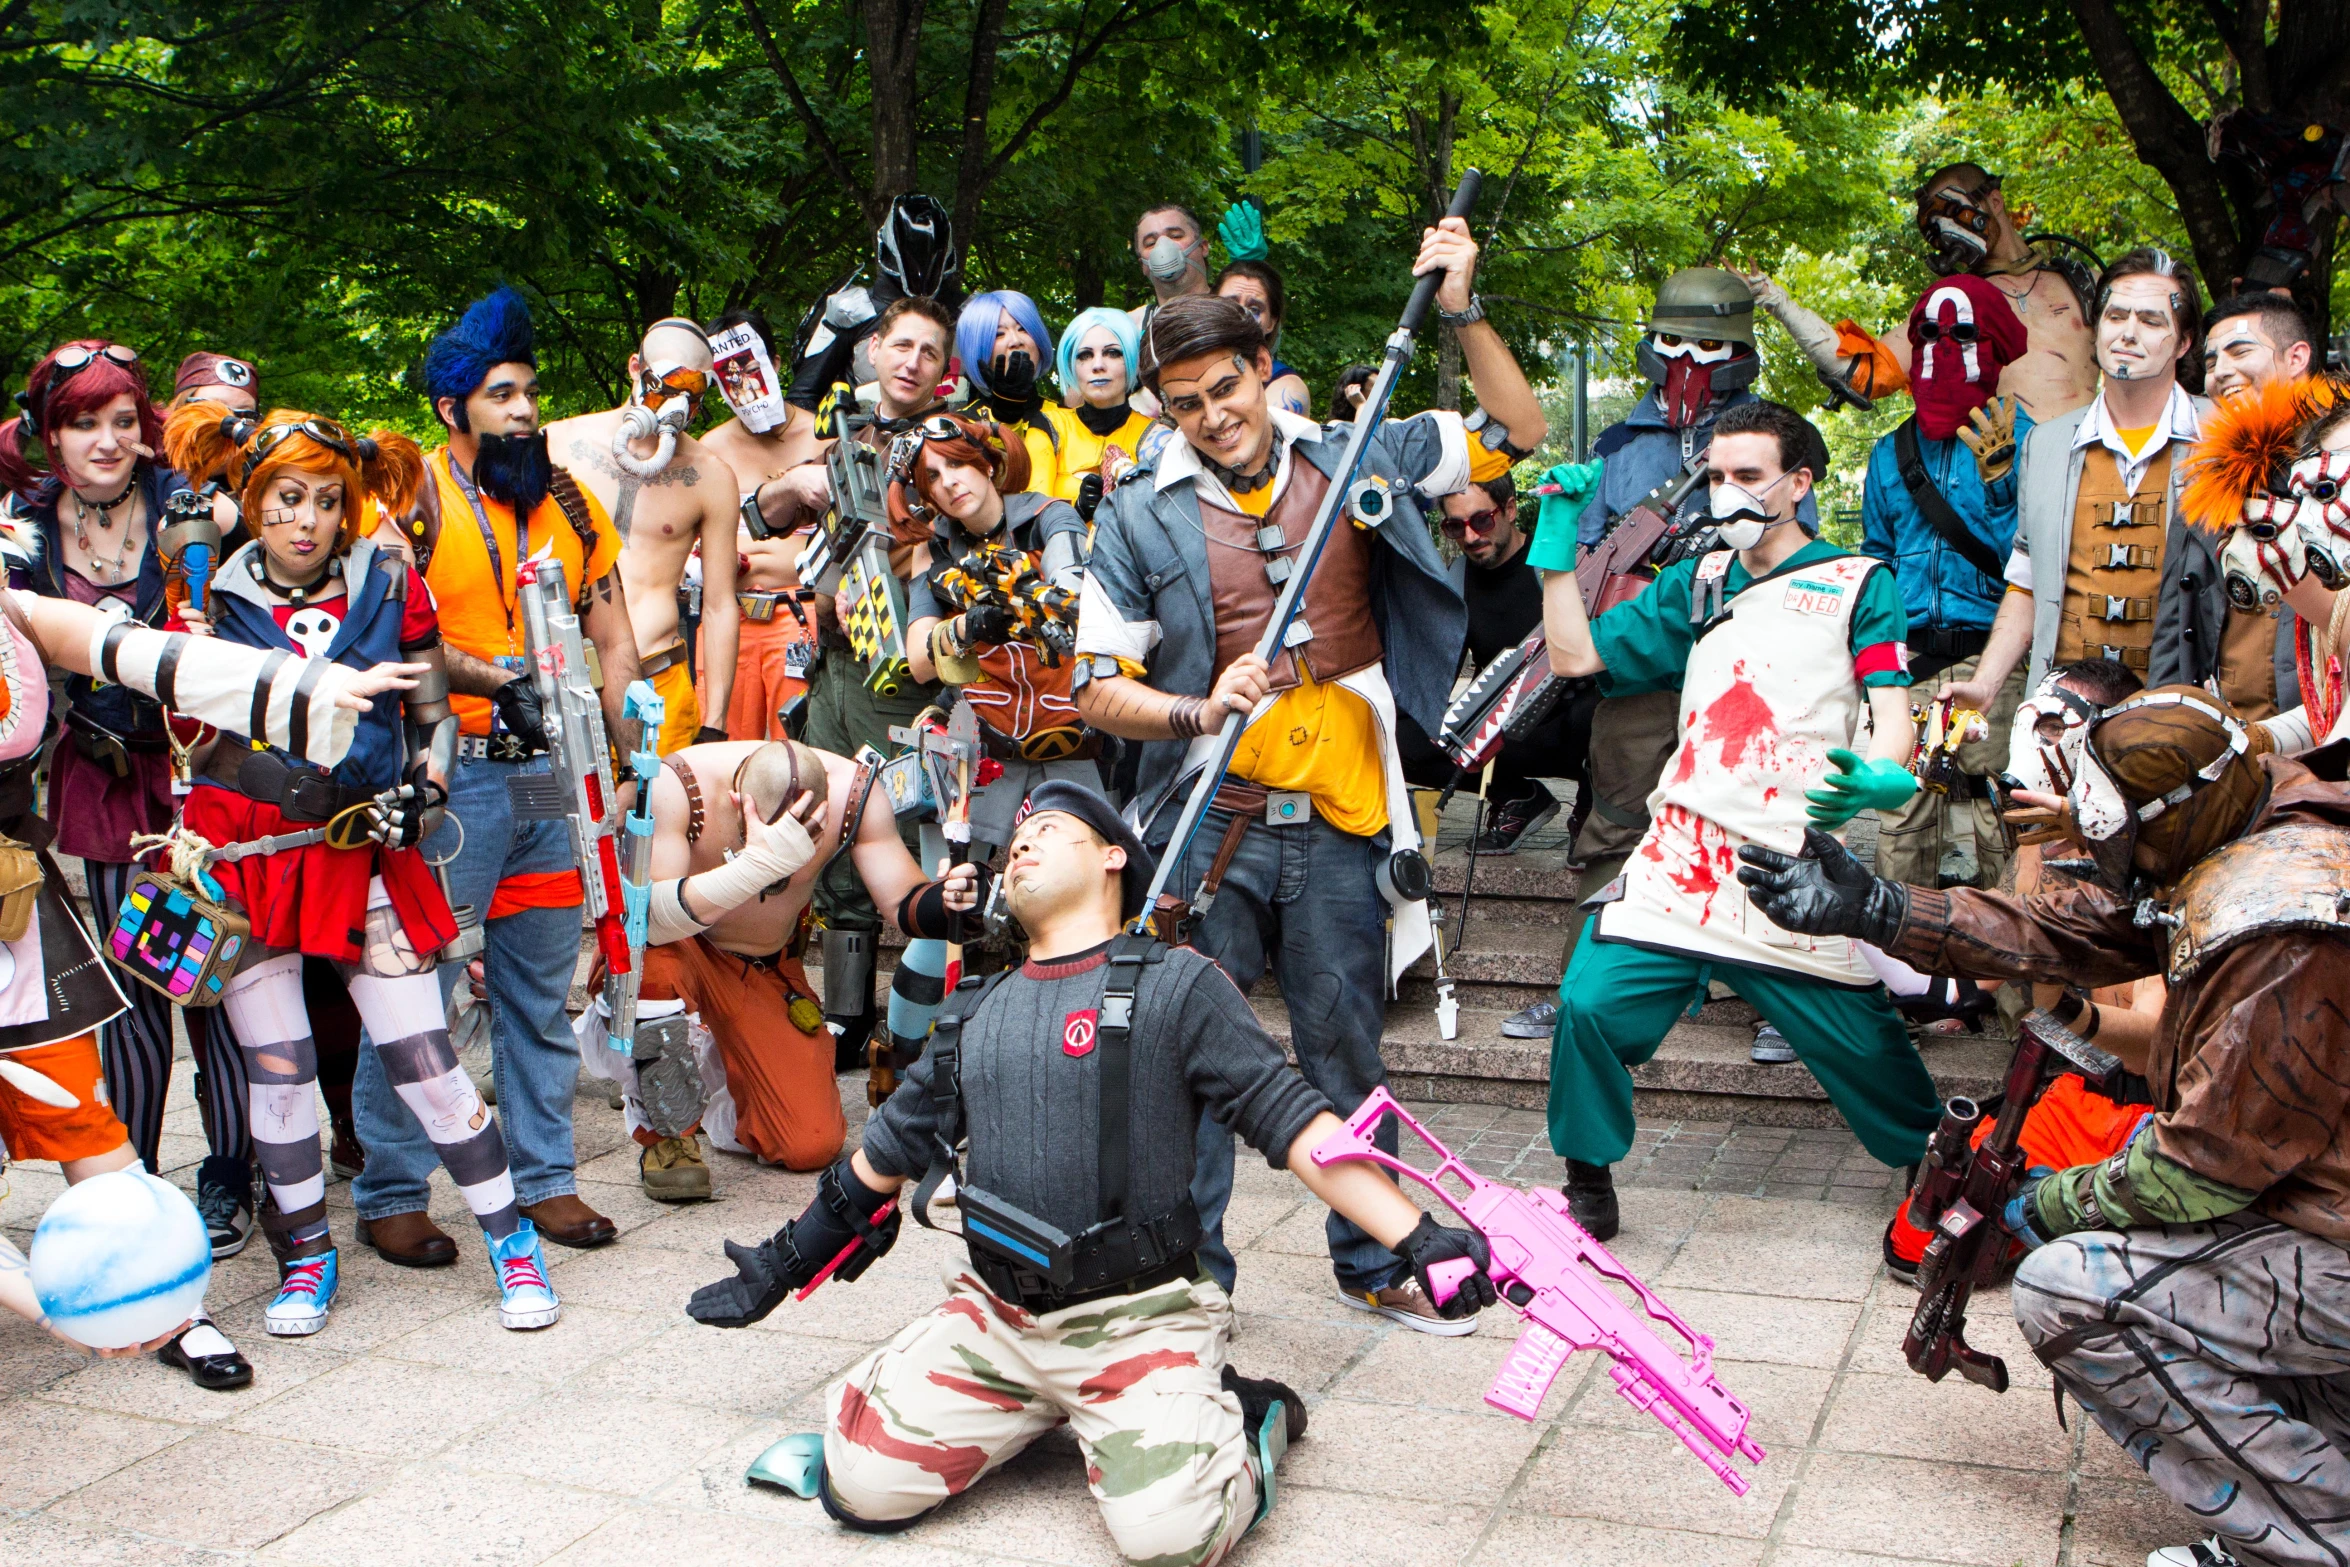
(1367,419)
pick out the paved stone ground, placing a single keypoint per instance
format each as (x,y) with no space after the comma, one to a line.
(413,1432)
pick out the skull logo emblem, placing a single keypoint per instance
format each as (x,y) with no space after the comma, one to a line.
(313,630)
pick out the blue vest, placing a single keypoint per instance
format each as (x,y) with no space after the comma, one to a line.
(374,584)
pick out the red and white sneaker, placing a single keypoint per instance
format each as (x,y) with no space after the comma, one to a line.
(305,1291)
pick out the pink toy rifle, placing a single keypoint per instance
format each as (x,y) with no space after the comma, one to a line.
(1556,1276)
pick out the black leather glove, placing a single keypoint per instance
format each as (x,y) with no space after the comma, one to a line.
(1089,496)
(401,813)
(1013,375)
(1823,891)
(709,734)
(1431,1243)
(519,709)
(841,1216)
(988,625)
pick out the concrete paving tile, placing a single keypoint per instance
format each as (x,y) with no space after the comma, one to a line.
(1806,1556)
(31,1361)
(1747,1245)
(1247,1219)
(1365,1447)
(1783,1402)
(148,1387)
(643,1534)
(1034,1509)
(752,1373)
(1896,1507)
(1299,1233)
(1306,1355)
(1308,1524)
(634,1278)
(49,1539)
(1990,1327)
(715,1483)
(1426,1372)
(54,1449)
(1291,1284)
(366,1313)
(1636,1476)
(393,1407)
(1951,1421)
(473,1341)
(2102,1458)
(31,1188)
(600,1442)
(703,1228)
(226,1488)
(429,1514)
(1540,1540)
(2117,1522)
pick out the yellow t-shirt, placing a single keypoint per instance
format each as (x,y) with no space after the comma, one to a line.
(1059,459)
(2136,439)
(1322,739)
(479,611)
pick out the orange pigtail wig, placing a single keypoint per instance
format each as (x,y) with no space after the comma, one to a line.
(959,440)
(244,455)
(2247,444)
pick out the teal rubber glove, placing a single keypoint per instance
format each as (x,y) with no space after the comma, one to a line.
(1563,493)
(1242,229)
(1858,786)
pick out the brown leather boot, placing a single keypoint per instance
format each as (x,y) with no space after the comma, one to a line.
(409,1240)
(567,1221)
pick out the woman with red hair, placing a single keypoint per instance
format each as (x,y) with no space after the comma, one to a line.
(327,863)
(966,481)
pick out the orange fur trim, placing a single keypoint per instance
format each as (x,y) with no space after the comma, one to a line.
(2247,444)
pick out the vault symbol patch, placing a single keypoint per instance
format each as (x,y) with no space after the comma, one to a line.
(1077,1032)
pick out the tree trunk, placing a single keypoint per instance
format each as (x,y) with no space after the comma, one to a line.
(893,40)
(987,36)
(1432,141)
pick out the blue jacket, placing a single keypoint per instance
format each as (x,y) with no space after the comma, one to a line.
(1643,452)
(1939,588)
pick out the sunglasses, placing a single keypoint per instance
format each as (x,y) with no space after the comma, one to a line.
(1478,522)
(1932,331)
(325,433)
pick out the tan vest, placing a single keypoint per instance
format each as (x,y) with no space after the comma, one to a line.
(2247,663)
(2114,572)
(1338,600)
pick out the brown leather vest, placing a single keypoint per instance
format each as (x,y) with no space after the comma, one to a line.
(2114,573)
(1338,599)
(2247,663)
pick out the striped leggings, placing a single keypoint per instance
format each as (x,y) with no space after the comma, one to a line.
(135,1050)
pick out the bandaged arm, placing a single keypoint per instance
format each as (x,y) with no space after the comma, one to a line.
(263,693)
(685,906)
(2289,733)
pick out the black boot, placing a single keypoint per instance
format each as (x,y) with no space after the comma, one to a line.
(1256,1395)
(1591,1199)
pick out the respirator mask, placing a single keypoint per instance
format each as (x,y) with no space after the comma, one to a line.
(1739,515)
(1956,230)
(666,399)
(1165,260)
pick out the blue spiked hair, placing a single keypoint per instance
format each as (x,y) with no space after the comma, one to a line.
(494,330)
(976,328)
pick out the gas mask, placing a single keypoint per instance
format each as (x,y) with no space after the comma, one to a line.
(1957,230)
(2035,761)
(2261,562)
(2320,514)
(1740,517)
(2099,815)
(1963,333)
(1689,372)
(666,398)
(1165,261)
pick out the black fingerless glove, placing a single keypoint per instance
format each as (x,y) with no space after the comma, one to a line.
(519,709)
(1431,1243)
(839,1218)
(988,625)
(1823,891)
(924,916)
(709,734)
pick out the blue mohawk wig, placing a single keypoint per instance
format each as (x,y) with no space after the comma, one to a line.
(494,330)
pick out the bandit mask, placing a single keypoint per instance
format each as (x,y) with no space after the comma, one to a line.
(515,469)
(1685,372)
(2166,777)
(2037,762)
(1963,333)
(2321,514)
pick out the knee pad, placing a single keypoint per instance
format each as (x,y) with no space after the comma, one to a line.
(668,1077)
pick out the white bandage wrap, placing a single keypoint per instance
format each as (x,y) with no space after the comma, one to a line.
(220,683)
(782,847)
(2290,731)
(666,919)
(1814,336)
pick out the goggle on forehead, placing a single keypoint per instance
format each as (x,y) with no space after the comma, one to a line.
(662,382)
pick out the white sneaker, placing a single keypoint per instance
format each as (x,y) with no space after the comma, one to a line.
(305,1291)
(525,1299)
(1408,1304)
(2203,1553)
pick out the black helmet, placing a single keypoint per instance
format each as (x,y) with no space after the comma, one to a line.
(915,248)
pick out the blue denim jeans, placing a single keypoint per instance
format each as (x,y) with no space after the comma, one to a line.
(529,961)
(1301,899)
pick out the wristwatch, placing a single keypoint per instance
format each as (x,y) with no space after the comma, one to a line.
(1457,319)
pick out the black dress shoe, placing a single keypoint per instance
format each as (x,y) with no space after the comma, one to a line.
(217,1372)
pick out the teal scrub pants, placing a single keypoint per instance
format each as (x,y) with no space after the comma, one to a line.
(1617,1003)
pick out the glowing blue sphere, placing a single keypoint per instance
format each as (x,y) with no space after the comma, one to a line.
(120,1259)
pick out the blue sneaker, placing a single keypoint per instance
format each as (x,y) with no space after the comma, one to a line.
(305,1291)
(525,1299)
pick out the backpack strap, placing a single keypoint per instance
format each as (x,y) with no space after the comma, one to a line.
(1935,507)
(572,502)
(422,525)
(1113,1036)
(946,1086)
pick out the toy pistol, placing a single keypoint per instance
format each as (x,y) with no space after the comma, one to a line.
(1559,1279)
(1943,727)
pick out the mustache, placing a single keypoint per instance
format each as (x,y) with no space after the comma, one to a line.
(515,469)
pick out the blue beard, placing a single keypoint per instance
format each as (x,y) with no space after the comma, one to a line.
(515,469)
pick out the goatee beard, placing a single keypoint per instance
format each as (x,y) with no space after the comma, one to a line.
(515,469)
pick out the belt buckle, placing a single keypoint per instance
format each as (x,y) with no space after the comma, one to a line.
(1288,808)
(311,797)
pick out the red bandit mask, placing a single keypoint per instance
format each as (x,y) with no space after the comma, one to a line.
(1962,334)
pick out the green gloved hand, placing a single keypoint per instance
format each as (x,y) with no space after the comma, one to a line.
(1858,786)
(1242,229)
(1562,493)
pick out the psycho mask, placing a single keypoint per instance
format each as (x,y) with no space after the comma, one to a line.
(1957,228)
(1963,333)
(2140,740)
(2321,514)
(2042,763)
(666,398)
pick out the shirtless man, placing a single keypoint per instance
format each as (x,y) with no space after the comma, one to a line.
(778,635)
(665,493)
(742,831)
(1963,215)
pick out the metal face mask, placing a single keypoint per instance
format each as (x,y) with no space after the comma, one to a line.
(2099,815)
(2037,762)
(1957,230)
(666,398)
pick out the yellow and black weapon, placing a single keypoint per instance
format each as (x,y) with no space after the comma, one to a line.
(1006,578)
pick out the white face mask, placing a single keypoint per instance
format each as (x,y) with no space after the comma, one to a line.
(2041,764)
(1740,516)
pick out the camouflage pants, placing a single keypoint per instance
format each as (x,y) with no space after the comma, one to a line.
(967,1387)
(2218,1356)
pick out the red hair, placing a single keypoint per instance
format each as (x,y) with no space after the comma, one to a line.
(977,443)
(206,441)
(54,399)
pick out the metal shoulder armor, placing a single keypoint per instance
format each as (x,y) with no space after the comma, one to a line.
(2287,878)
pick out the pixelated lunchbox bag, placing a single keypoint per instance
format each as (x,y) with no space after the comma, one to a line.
(181,940)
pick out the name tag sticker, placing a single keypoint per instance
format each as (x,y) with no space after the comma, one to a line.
(1077,1032)
(1807,597)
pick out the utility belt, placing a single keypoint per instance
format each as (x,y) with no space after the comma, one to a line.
(1046,745)
(1040,1268)
(662,662)
(501,747)
(1932,649)
(760,608)
(98,743)
(1017,1255)
(301,792)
